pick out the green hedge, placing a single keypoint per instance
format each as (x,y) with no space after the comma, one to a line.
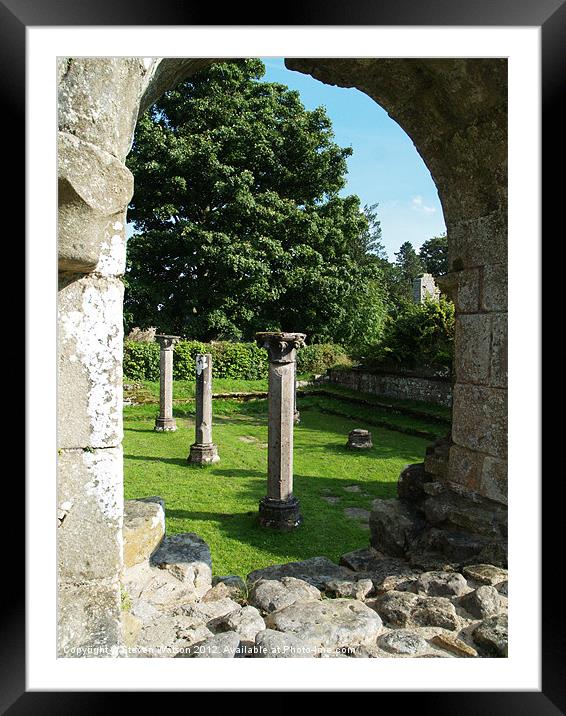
(321,356)
(141,361)
(243,361)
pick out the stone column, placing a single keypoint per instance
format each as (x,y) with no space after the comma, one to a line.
(165,420)
(203,451)
(280,508)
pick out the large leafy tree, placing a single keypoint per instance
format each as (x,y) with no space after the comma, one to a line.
(434,255)
(239,223)
(408,261)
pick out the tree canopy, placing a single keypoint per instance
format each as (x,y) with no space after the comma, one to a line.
(434,255)
(239,223)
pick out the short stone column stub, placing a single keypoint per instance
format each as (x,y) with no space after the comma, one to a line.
(165,422)
(203,451)
(279,509)
(359,439)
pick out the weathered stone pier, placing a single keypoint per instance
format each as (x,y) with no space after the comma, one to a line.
(203,451)
(165,420)
(279,509)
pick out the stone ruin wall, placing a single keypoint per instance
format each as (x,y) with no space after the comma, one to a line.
(455,111)
(424,287)
(396,385)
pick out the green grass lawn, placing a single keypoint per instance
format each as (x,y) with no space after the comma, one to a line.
(220,502)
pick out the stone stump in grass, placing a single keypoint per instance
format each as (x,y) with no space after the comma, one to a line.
(359,439)
(203,451)
(279,509)
(165,422)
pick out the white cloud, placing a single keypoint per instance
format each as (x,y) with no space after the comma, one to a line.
(417,204)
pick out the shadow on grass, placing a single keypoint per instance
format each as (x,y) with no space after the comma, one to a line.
(376,453)
(325,529)
(170,460)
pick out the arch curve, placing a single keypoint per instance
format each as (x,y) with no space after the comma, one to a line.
(454,110)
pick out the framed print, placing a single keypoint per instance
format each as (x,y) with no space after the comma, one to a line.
(465,87)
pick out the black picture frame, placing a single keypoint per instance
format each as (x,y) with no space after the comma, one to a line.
(550,16)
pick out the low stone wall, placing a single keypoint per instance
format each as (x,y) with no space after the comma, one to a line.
(403,385)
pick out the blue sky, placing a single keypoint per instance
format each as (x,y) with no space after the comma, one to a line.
(385,167)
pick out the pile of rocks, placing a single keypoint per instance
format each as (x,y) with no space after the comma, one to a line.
(370,605)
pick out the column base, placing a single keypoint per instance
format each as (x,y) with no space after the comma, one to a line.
(203,454)
(282,515)
(359,439)
(163,425)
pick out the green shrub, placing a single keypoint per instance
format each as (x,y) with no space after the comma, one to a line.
(244,361)
(319,357)
(419,336)
(185,353)
(237,361)
(141,361)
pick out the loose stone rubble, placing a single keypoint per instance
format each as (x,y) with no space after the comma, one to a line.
(372,605)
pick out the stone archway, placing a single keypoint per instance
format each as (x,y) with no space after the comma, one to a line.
(455,111)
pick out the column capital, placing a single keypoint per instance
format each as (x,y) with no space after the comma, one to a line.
(280,346)
(166,343)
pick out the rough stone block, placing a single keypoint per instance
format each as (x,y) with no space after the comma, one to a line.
(479,419)
(187,557)
(464,512)
(212,614)
(393,526)
(332,623)
(494,288)
(493,480)
(411,481)
(362,560)
(99,103)
(247,623)
(485,574)
(472,341)
(144,529)
(401,641)
(483,602)
(498,354)
(441,584)
(354,588)
(464,467)
(90,500)
(395,607)
(435,611)
(478,242)
(317,571)
(89,620)
(273,644)
(391,574)
(467,294)
(269,595)
(93,191)
(492,635)
(90,346)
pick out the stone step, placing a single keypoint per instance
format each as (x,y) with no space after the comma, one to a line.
(144,529)
(187,557)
